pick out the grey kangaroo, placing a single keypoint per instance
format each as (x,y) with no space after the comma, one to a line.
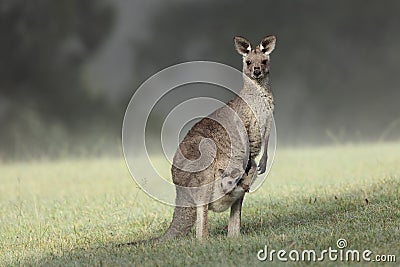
(253,108)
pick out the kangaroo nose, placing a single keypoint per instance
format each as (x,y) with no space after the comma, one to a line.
(257,72)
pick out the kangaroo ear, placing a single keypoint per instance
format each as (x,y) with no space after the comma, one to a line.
(267,45)
(235,173)
(242,45)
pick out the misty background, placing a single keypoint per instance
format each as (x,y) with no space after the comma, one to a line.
(68,68)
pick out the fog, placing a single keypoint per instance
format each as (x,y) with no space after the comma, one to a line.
(69,68)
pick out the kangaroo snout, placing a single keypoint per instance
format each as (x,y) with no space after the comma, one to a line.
(257,72)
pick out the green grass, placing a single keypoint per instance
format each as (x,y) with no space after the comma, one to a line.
(74,212)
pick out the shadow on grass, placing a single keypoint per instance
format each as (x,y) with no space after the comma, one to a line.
(359,216)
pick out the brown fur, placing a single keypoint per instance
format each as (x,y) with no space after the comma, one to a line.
(256,120)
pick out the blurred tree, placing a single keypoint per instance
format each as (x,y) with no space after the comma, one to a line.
(44,45)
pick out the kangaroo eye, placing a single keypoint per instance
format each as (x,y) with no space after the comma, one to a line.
(248,62)
(264,62)
(230,182)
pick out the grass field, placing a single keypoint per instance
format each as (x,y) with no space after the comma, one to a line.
(74,212)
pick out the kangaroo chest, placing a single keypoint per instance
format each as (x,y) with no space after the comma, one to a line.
(261,117)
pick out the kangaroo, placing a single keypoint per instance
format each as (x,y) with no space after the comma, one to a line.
(216,143)
(256,118)
(229,180)
(233,186)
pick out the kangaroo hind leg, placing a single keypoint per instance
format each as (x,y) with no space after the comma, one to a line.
(202,222)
